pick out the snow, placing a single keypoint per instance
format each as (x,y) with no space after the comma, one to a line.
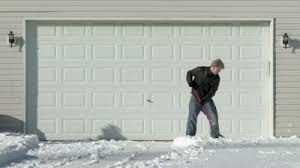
(258,152)
(15,146)
(52,154)
(184,142)
(183,152)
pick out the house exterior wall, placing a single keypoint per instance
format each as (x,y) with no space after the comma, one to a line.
(286,69)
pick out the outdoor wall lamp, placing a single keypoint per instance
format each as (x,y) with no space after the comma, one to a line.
(11,38)
(285,40)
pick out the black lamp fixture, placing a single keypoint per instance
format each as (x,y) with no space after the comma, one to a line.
(11,38)
(285,40)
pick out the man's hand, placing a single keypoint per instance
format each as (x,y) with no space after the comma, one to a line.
(198,98)
(202,102)
(192,84)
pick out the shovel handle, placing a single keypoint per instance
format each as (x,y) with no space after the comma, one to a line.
(194,92)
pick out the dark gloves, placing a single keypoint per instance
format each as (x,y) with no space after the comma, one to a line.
(197,96)
(192,84)
(202,102)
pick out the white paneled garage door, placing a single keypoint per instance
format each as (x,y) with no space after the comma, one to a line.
(131,77)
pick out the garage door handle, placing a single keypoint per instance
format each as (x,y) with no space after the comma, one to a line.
(149,101)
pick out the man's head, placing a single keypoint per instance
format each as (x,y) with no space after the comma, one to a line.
(216,66)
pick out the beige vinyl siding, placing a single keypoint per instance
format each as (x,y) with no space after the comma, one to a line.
(287,14)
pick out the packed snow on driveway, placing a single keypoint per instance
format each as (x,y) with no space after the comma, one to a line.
(15,146)
(184,152)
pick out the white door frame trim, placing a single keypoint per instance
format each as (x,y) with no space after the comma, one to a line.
(271,21)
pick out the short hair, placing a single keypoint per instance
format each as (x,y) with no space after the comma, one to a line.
(218,63)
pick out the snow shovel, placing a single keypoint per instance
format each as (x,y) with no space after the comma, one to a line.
(198,98)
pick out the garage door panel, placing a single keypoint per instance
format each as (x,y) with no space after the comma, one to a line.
(133,52)
(48,126)
(251,98)
(74,52)
(226,51)
(161,52)
(251,31)
(221,30)
(48,74)
(73,126)
(133,30)
(47,30)
(103,99)
(228,75)
(103,74)
(250,52)
(159,100)
(250,74)
(161,74)
(184,98)
(73,29)
(191,30)
(103,29)
(224,98)
(191,52)
(48,51)
(251,128)
(132,76)
(74,99)
(100,124)
(48,99)
(104,51)
(74,74)
(162,127)
(132,99)
(134,126)
(161,30)
(227,126)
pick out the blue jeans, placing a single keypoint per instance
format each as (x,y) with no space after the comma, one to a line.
(209,109)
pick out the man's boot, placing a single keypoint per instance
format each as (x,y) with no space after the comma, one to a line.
(214,132)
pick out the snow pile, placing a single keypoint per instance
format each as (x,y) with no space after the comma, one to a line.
(183,142)
(51,154)
(71,151)
(186,142)
(154,163)
(14,146)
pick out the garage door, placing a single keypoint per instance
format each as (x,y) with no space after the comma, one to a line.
(91,79)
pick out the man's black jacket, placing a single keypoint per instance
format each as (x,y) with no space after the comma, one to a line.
(205,82)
